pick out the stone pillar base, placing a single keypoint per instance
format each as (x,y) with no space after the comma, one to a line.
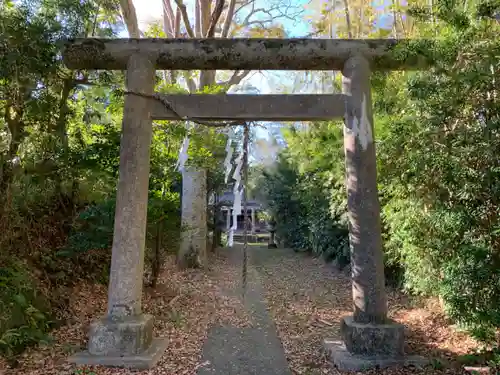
(367,346)
(373,339)
(338,354)
(127,342)
(272,246)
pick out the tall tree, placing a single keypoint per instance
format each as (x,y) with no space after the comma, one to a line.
(130,18)
(222,19)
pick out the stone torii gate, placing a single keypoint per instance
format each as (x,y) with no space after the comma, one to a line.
(124,336)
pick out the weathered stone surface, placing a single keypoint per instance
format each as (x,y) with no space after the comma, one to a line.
(373,339)
(345,361)
(250,107)
(142,361)
(272,235)
(228,220)
(252,229)
(368,283)
(239,54)
(123,337)
(129,236)
(370,339)
(193,248)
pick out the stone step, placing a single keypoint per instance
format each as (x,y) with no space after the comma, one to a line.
(251,238)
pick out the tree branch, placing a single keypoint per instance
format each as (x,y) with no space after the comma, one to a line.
(235,79)
(250,14)
(250,23)
(177,25)
(229,19)
(189,81)
(130,17)
(219,7)
(197,18)
(274,12)
(168,19)
(243,6)
(185,18)
(205,13)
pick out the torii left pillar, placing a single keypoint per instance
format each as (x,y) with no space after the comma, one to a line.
(124,337)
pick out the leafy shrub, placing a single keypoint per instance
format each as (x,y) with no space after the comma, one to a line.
(302,207)
(93,230)
(24,316)
(439,172)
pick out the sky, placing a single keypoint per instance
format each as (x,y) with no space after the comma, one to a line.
(152,10)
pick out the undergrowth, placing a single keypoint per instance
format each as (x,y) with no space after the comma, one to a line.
(68,244)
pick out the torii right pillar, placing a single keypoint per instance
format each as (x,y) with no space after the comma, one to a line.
(370,339)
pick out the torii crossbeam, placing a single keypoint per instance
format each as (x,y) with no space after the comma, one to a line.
(222,107)
(240,54)
(124,336)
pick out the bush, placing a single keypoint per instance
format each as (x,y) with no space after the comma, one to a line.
(305,210)
(93,230)
(439,172)
(24,315)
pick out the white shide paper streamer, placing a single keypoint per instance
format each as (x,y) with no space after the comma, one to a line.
(227,161)
(183,152)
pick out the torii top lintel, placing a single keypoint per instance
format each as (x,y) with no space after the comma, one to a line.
(239,54)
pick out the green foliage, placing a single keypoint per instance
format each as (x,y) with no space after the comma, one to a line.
(437,140)
(59,164)
(438,136)
(286,207)
(439,170)
(304,195)
(24,319)
(93,229)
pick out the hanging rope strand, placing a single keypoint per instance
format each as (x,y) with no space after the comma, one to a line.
(170,107)
(246,135)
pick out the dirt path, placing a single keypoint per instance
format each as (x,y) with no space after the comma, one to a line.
(252,350)
(305,298)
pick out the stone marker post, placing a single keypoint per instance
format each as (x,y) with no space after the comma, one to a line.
(272,234)
(228,219)
(193,247)
(253,220)
(369,338)
(124,337)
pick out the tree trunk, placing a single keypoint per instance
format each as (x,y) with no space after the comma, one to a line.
(157,259)
(15,125)
(204,26)
(130,18)
(61,131)
(348,19)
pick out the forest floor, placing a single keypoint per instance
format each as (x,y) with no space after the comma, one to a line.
(306,299)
